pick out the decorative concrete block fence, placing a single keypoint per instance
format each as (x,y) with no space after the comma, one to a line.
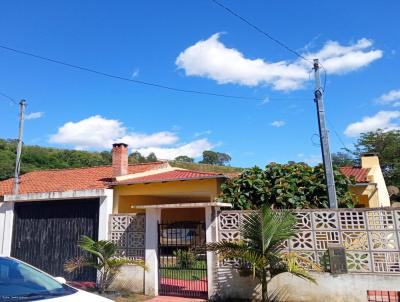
(128,232)
(370,236)
(371,241)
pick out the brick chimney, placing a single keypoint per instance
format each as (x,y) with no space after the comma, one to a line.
(120,159)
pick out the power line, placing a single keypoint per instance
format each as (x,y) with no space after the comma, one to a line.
(128,79)
(337,135)
(9,98)
(262,31)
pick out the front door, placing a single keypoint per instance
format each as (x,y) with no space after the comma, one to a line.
(182,259)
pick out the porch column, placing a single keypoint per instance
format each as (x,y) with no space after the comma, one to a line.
(106,208)
(153,216)
(211,230)
(6,227)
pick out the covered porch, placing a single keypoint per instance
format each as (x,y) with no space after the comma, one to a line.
(179,219)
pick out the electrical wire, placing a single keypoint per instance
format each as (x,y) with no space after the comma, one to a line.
(128,79)
(271,38)
(262,31)
(337,135)
(9,98)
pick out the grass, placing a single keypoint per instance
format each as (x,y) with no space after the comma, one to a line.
(197,272)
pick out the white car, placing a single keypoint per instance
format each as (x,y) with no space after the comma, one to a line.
(21,282)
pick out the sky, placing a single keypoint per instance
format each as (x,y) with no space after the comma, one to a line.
(197,45)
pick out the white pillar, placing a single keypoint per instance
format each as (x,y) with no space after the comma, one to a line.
(211,230)
(6,227)
(106,208)
(153,216)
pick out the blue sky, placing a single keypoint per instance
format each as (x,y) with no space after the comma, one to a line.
(197,45)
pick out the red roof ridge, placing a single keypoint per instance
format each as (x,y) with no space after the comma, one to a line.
(195,171)
(176,174)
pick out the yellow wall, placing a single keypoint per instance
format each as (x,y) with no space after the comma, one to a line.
(163,193)
(127,201)
(192,214)
(366,195)
(380,196)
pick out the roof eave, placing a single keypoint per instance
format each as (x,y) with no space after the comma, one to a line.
(113,184)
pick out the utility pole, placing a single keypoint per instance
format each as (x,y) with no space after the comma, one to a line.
(22,105)
(323,135)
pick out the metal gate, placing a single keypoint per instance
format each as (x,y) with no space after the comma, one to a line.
(182,259)
(46,234)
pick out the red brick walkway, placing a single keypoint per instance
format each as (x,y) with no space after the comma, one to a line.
(383,296)
(188,288)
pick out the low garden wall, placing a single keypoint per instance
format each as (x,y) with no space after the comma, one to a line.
(127,231)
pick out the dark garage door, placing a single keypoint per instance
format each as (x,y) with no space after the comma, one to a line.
(46,234)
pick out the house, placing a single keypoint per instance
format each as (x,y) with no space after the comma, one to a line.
(54,208)
(370,187)
(151,211)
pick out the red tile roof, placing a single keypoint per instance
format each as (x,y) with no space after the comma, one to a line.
(359,174)
(171,176)
(63,180)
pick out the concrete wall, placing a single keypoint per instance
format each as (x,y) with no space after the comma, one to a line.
(340,288)
(129,279)
(6,227)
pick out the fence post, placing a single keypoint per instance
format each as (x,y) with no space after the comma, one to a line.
(151,278)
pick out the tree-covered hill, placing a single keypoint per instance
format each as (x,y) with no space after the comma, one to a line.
(40,158)
(37,158)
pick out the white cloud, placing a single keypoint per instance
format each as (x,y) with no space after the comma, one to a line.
(278,124)
(193,149)
(135,73)
(338,59)
(212,59)
(264,101)
(202,133)
(34,115)
(385,120)
(312,159)
(390,98)
(99,132)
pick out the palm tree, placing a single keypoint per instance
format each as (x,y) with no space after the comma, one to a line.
(261,248)
(102,256)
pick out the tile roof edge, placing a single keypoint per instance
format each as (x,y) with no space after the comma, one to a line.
(111,184)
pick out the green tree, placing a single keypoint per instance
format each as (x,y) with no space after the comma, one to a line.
(151,158)
(215,158)
(387,145)
(36,158)
(285,186)
(343,159)
(184,159)
(264,233)
(136,158)
(102,256)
